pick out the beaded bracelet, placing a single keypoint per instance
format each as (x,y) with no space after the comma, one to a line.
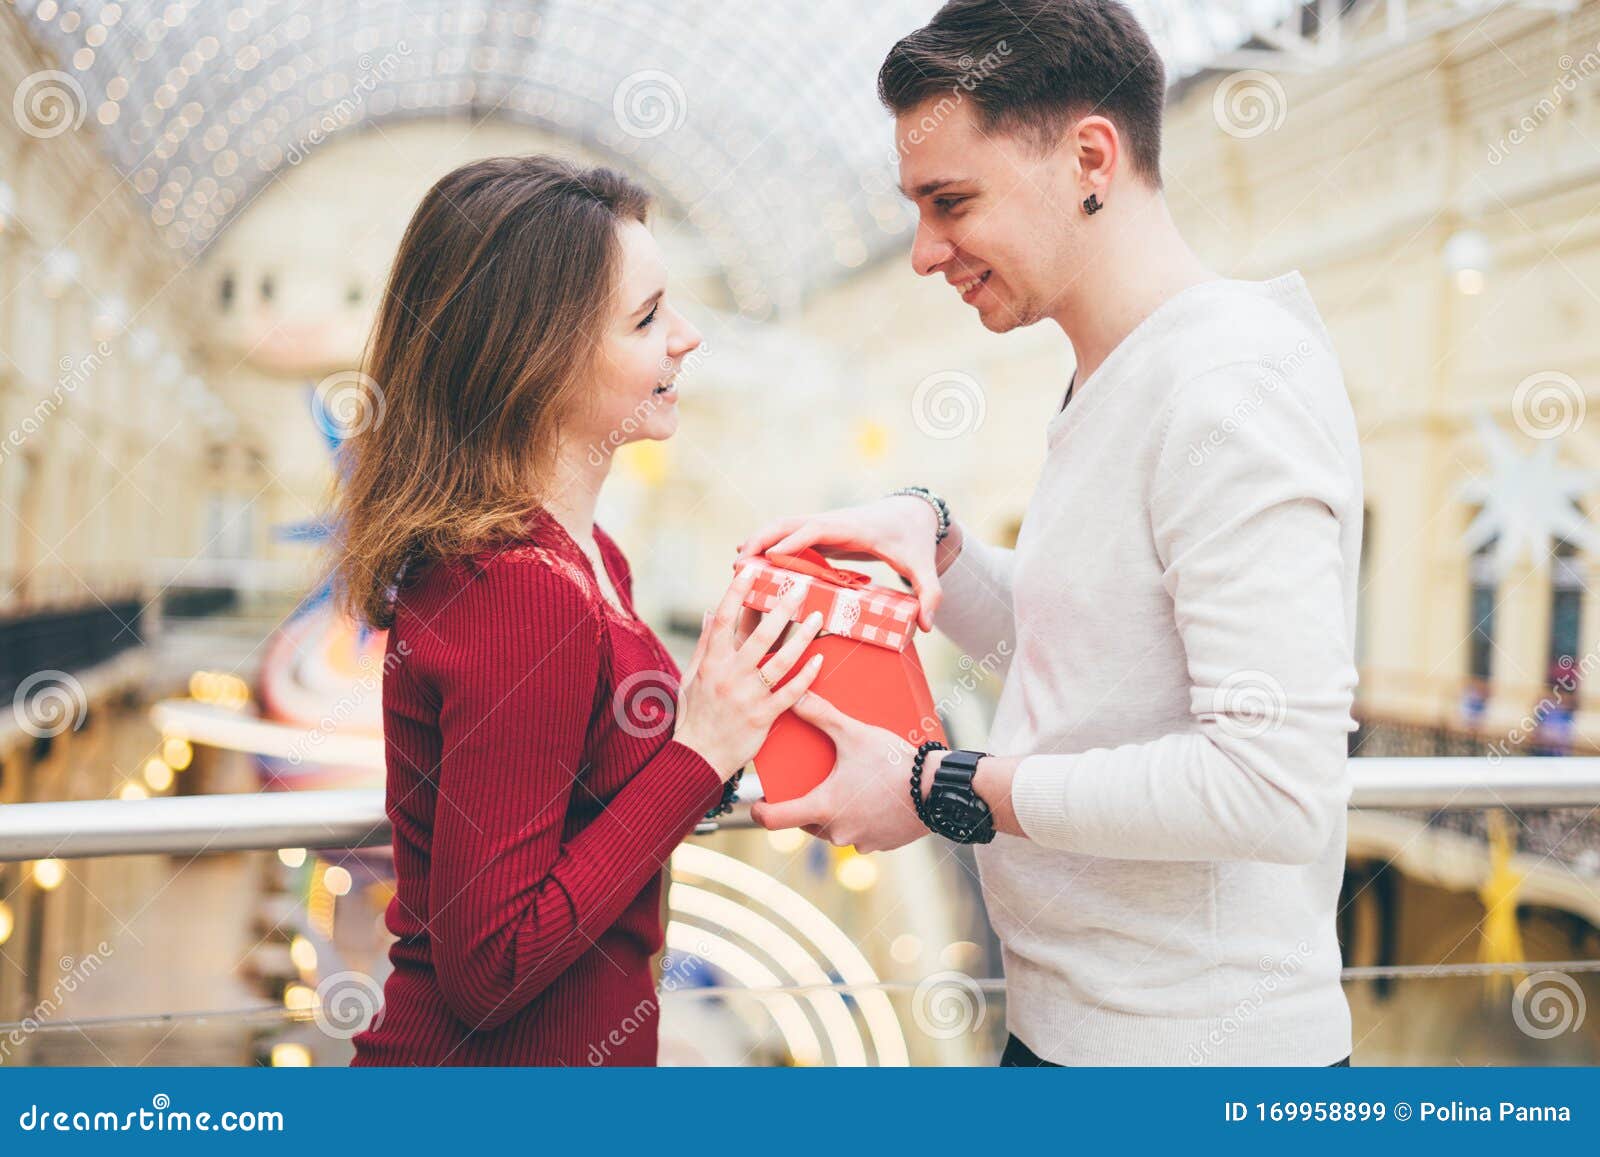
(941,511)
(916,777)
(730,793)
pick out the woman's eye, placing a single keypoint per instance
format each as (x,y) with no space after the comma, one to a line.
(649,317)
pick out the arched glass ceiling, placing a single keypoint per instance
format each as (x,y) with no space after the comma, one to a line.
(758,121)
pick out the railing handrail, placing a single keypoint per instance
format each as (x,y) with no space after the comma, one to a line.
(987,985)
(355,818)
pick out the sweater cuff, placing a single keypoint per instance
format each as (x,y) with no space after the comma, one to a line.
(1039,799)
(697,778)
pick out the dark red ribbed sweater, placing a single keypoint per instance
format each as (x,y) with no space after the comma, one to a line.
(536,793)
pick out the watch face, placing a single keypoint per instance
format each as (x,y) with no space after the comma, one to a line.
(950,813)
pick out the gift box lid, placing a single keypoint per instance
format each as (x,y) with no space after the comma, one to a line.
(850,602)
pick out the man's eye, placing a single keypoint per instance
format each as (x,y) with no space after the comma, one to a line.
(649,317)
(945,204)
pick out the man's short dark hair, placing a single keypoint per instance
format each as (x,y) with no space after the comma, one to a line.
(1032,66)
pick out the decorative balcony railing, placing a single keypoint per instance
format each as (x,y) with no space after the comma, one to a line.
(193,825)
(815,1023)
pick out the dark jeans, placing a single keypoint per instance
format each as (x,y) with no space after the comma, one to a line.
(1020,1056)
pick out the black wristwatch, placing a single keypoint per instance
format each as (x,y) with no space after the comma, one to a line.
(952,809)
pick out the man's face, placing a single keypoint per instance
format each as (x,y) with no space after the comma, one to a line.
(993,212)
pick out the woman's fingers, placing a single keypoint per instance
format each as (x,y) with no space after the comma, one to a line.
(794,690)
(786,656)
(699,649)
(766,632)
(726,616)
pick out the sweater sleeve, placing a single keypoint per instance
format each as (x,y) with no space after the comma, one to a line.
(975,612)
(1245,509)
(512,904)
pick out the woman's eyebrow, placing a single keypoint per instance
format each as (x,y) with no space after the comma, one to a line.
(644,307)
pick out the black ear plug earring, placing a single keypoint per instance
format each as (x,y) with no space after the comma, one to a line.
(1092,204)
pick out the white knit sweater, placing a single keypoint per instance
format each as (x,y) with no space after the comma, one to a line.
(1178,619)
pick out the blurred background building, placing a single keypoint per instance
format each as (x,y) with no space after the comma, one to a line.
(198,205)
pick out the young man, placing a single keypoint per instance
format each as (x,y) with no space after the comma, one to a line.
(1166,771)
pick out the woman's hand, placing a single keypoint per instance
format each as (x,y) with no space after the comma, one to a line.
(726,709)
(899,529)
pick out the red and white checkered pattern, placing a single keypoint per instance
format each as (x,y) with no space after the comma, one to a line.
(872,614)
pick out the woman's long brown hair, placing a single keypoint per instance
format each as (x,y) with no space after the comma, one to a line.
(494,307)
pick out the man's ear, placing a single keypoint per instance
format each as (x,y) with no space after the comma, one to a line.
(1098,149)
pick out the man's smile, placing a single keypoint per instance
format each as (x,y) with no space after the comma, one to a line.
(967,287)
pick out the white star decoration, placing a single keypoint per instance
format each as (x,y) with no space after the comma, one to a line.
(1528,502)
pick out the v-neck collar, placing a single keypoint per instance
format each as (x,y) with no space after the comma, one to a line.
(1111,365)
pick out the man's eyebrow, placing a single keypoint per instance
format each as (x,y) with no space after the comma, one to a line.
(927,187)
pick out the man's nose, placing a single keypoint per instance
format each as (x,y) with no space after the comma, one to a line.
(929,251)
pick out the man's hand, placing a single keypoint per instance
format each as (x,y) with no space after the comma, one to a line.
(899,530)
(866,801)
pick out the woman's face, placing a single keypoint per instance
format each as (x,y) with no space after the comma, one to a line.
(633,394)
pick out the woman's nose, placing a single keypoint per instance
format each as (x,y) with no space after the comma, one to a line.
(685,338)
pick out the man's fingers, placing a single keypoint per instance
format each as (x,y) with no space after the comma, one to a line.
(926,584)
(829,536)
(758,542)
(818,712)
(793,813)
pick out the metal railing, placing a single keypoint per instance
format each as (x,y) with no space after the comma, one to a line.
(192,825)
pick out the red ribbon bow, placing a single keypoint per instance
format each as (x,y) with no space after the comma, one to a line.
(809,562)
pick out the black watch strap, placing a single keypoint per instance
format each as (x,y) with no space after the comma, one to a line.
(954,810)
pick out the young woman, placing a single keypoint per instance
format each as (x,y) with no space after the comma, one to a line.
(542,760)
